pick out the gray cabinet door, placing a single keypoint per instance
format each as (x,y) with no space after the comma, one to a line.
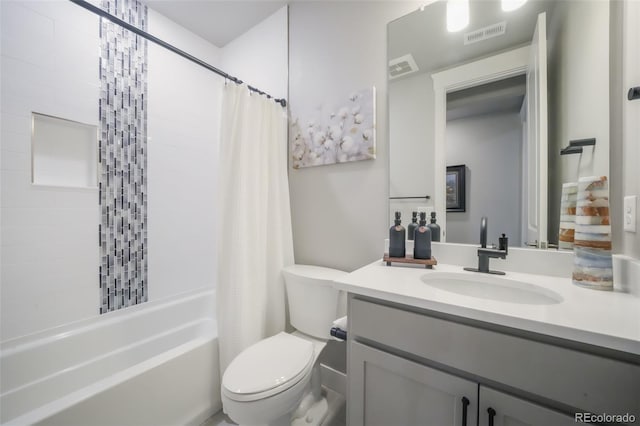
(511,411)
(384,390)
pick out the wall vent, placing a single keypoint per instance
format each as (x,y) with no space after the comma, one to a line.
(486,33)
(402,66)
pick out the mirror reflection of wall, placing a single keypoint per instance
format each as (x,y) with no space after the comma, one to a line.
(578,95)
(485,133)
(411,149)
(578,81)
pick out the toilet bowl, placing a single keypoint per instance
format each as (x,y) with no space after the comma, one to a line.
(266,383)
(277,380)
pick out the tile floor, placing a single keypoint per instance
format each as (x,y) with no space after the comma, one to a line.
(338,419)
(218,419)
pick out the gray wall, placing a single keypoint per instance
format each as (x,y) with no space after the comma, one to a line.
(628,151)
(339,212)
(490,146)
(576,113)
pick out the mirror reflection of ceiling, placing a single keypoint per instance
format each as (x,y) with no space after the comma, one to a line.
(497,97)
(423,34)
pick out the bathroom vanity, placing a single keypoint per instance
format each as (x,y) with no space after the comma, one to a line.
(448,347)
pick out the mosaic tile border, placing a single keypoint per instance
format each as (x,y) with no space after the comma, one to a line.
(122,149)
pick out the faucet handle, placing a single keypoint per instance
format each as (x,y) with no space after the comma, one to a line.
(483,232)
(503,243)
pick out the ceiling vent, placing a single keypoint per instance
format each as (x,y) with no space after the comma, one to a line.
(486,33)
(402,66)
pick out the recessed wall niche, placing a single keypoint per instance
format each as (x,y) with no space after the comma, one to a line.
(63,152)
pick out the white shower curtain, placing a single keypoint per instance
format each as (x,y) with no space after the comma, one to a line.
(254,227)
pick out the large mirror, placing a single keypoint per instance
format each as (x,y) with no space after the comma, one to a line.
(497,100)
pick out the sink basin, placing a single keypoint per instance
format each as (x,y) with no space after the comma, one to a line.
(491,287)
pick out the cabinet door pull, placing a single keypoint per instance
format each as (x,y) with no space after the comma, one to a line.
(492,414)
(465,403)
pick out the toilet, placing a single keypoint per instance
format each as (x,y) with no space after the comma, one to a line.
(276,381)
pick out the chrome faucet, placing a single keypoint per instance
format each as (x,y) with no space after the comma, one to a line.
(484,253)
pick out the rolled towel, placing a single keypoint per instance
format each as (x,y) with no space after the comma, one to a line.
(340,323)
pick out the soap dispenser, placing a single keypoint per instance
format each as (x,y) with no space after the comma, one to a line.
(422,239)
(397,237)
(411,229)
(434,228)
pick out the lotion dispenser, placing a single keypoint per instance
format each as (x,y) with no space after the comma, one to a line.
(422,239)
(411,229)
(435,228)
(397,237)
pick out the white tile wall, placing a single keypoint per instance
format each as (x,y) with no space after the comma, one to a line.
(183,131)
(27,34)
(49,235)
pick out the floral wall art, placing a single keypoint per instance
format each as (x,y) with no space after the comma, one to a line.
(335,133)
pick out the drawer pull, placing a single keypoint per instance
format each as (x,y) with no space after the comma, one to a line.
(465,404)
(492,414)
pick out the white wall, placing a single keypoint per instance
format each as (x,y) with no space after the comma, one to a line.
(183,130)
(578,95)
(260,56)
(339,211)
(49,235)
(490,146)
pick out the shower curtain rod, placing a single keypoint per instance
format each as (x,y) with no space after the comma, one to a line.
(156,40)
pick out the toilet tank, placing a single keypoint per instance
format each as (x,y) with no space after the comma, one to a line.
(313,302)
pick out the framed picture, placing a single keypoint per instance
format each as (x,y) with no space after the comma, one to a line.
(335,132)
(456,184)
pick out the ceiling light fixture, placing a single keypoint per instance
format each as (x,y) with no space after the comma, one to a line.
(457,15)
(509,5)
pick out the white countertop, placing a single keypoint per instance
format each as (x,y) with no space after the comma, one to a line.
(601,318)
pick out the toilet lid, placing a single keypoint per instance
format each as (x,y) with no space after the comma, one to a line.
(268,364)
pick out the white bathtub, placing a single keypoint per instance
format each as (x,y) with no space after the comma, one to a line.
(151,364)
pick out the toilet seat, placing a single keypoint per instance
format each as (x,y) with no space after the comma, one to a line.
(268,367)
